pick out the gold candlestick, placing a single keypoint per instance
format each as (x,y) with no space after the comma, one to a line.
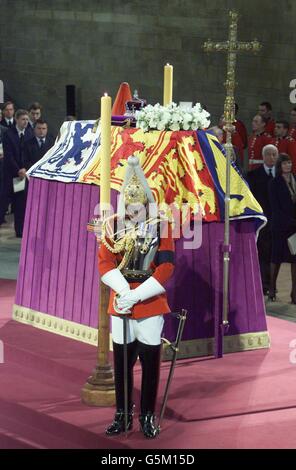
(99,389)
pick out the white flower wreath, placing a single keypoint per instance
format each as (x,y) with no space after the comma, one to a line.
(172,118)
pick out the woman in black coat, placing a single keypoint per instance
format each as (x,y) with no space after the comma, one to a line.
(282,193)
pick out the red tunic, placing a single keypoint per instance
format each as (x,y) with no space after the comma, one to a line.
(291,151)
(237,143)
(256,144)
(269,128)
(292,132)
(241,129)
(161,272)
(281,144)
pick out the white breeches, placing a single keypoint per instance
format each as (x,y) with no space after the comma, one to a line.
(146,330)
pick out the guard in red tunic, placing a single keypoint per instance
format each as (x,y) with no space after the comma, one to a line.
(292,130)
(265,110)
(235,140)
(291,151)
(257,141)
(281,139)
(136,258)
(241,128)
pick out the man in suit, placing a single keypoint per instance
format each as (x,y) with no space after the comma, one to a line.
(13,167)
(259,181)
(3,129)
(2,132)
(35,110)
(38,145)
(8,114)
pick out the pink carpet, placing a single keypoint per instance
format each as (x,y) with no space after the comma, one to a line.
(245,400)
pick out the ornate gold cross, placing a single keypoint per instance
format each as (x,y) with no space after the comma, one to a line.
(232,47)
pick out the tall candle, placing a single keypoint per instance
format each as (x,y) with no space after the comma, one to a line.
(168,84)
(105,149)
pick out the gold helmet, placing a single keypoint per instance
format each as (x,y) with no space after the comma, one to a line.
(135,188)
(134,192)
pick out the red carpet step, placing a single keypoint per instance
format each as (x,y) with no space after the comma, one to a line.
(245,400)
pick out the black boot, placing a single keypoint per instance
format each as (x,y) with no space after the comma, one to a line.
(148,427)
(293,275)
(274,271)
(150,357)
(117,426)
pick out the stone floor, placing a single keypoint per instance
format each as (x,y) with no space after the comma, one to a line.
(283,308)
(9,258)
(9,250)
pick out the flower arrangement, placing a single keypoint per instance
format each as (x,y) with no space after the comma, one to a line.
(172,118)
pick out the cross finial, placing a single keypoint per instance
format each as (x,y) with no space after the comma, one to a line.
(232,47)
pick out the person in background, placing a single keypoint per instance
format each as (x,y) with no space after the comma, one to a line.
(8,114)
(235,140)
(13,167)
(281,138)
(38,145)
(2,131)
(35,111)
(292,129)
(241,128)
(259,181)
(257,141)
(265,110)
(291,149)
(282,194)
(219,133)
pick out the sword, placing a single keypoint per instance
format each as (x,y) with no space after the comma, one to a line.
(175,348)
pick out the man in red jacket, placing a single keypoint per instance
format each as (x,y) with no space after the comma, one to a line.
(241,128)
(265,110)
(292,130)
(281,139)
(257,141)
(135,261)
(235,139)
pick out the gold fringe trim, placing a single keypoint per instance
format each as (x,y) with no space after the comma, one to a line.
(53,324)
(89,335)
(205,346)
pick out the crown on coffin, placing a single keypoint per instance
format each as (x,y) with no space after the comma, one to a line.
(135,104)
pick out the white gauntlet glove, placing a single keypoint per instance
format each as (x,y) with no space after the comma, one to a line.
(149,288)
(116,281)
(128,300)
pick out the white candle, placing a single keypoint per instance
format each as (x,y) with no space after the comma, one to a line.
(168,84)
(105,149)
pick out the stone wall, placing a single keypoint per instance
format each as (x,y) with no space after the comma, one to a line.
(98,44)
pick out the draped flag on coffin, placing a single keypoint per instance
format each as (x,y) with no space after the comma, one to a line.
(180,166)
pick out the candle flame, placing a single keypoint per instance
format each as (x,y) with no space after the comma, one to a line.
(105,94)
